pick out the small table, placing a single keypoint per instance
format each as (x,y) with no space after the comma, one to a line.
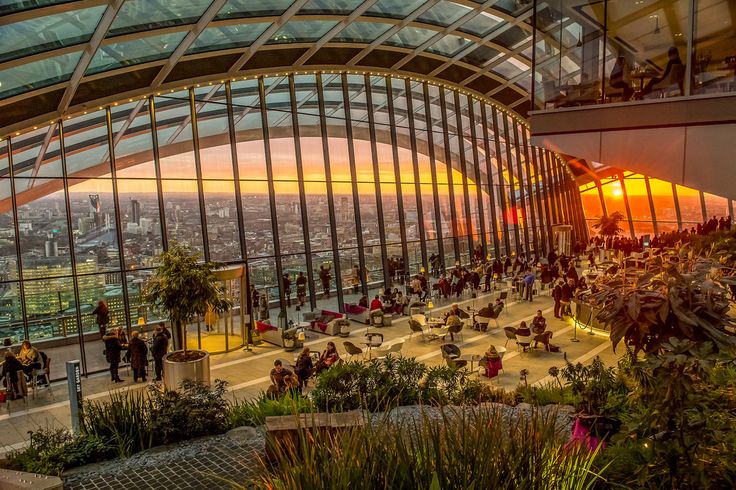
(471,358)
(435,323)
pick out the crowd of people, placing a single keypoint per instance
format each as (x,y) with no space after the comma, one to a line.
(285,380)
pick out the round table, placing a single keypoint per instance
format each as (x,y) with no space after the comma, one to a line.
(471,358)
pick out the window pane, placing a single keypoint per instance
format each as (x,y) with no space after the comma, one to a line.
(133,52)
(146,15)
(37,74)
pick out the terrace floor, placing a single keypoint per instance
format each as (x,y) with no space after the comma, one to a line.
(247,371)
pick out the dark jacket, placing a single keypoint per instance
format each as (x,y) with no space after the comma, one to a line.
(138,353)
(303,366)
(567,293)
(102,316)
(113,347)
(557,293)
(11,367)
(160,345)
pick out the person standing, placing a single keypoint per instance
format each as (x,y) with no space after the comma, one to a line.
(557,296)
(286,282)
(301,288)
(138,356)
(159,349)
(529,285)
(355,279)
(102,317)
(113,347)
(325,277)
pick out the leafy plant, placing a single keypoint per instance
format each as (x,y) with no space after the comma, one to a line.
(685,299)
(473,451)
(254,412)
(593,384)
(608,225)
(184,288)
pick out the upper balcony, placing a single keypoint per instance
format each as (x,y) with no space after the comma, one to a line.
(641,85)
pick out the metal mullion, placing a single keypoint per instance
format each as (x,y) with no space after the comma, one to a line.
(520,178)
(566,195)
(157,168)
(703,209)
(489,177)
(555,183)
(530,189)
(239,213)
(450,180)
(512,186)
(464,173)
(415,167)
(72,255)
(532,99)
(198,169)
(537,196)
(118,214)
(501,185)
(586,232)
(376,177)
(16,229)
(433,167)
(478,186)
(626,203)
(328,181)
(730,208)
(676,200)
(354,183)
(577,209)
(397,173)
(272,194)
(302,194)
(543,188)
(651,206)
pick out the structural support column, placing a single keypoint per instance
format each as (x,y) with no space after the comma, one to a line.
(271,195)
(397,174)
(303,197)
(157,169)
(464,172)
(354,183)
(501,185)
(433,165)
(377,180)
(655,225)
(626,203)
(450,180)
(16,230)
(415,167)
(328,182)
(489,175)
(482,229)
(512,184)
(198,169)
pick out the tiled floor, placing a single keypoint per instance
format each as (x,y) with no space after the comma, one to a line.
(247,372)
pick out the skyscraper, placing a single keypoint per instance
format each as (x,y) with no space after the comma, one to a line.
(135,211)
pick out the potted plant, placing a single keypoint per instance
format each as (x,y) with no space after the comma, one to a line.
(289,337)
(184,288)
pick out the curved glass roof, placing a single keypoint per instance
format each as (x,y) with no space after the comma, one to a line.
(76,54)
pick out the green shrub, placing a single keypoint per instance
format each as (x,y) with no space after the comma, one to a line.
(550,394)
(124,420)
(254,412)
(195,410)
(477,450)
(52,450)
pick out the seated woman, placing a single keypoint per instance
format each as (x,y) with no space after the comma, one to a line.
(492,362)
(29,357)
(523,330)
(328,357)
(400,301)
(304,367)
(11,373)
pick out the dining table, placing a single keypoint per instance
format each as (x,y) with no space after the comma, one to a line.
(471,358)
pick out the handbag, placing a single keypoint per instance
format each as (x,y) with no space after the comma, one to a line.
(3,396)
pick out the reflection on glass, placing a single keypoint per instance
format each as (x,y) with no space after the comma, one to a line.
(146,15)
(37,74)
(134,51)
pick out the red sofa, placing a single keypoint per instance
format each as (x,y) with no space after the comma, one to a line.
(326,322)
(358,313)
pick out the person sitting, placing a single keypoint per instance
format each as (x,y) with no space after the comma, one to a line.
(281,379)
(539,323)
(674,72)
(456,311)
(11,374)
(376,304)
(328,357)
(620,78)
(29,358)
(492,362)
(304,367)
(363,301)
(523,330)
(400,301)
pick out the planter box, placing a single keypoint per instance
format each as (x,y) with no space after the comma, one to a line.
(176,372)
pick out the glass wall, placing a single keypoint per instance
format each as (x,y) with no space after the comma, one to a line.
(650,50)
(654,206)
(288,174)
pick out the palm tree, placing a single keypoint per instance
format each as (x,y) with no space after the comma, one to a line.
(609,225)
(184,288)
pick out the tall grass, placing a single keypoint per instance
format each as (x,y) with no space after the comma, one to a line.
(477,450)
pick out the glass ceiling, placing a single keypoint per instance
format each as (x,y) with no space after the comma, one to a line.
(55,33)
